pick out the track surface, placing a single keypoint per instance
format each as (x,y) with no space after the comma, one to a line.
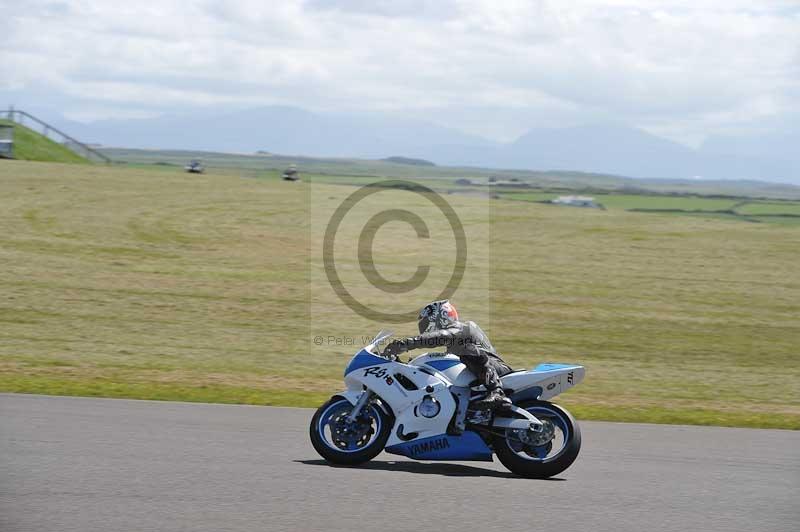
(75,464)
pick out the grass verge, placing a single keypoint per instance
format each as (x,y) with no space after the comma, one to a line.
(216,393)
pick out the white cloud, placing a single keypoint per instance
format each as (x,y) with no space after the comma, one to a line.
(687,70)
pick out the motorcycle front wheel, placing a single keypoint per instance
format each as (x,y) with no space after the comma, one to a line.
(349,443)
(545,454)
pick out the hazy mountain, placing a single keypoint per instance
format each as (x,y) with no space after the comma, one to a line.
(286,130)
(618,149)
(605,148)
(777,152)
(608,148)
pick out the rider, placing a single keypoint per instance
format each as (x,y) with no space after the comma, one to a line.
(439,327)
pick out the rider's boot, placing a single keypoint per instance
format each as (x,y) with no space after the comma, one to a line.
(454,430)
(496,399)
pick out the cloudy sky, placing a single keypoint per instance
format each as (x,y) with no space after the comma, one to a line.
(684,69)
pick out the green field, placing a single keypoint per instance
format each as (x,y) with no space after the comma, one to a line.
(742,209)
(642,201)
(130,282)
(690,203)
(31,146)
(763,207)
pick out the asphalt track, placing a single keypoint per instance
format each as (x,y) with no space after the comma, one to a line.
(79,464)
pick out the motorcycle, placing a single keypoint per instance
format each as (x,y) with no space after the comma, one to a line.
(422,409)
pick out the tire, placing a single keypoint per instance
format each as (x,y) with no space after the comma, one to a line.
(380,427)
(537,462)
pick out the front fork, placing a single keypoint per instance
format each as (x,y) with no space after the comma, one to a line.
(362,401)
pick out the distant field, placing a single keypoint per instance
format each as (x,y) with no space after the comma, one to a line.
(741,209)
(756,208)
(641,201)
(690,203)
(131,282)
(530,196)
(560,181)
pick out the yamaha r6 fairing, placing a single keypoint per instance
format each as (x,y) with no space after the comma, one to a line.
(421,409)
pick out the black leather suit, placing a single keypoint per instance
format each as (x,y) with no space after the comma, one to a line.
(470,343)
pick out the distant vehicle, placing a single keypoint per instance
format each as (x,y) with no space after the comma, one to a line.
(290,174)
(195,167)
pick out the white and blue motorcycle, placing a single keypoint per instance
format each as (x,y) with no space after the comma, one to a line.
(421,409)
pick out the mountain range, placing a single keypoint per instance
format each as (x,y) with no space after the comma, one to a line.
(603,148)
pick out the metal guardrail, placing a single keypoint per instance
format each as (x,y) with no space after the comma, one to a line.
(17,116)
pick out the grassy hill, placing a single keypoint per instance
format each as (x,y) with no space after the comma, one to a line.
(154,283)
(32,146)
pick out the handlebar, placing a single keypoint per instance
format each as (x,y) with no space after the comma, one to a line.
(391,357)
(383,353)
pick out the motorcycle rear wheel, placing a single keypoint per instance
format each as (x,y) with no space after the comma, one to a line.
(546,460)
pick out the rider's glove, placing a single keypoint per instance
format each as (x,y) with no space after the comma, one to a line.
(395,348)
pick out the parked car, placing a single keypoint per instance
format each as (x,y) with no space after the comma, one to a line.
(290,174)
(195,167)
